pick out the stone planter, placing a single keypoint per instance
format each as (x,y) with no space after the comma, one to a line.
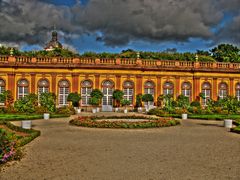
(140,109)
(46,116)
(184,116)
(79,110)
(26,124)
(125,111)
(228,123)
(116,109)
(94,110)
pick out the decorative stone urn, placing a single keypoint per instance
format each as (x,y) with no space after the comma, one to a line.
(26,124)
(125,111)
(228,123)
(94,110)
(46,116)
(140,110)
(184,116)
(79,110)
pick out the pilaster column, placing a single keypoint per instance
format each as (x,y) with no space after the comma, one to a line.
(231,92)
(177,79)
(12,84)
(97,81)
(33,83)
(214,89)
(139,84)
(54,83)
(75,82)
(196,88)
(159,86)
(118,82)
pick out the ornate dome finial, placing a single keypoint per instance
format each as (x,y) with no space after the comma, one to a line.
(54,43)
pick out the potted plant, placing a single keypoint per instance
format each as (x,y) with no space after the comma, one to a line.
(117,96)
(139,102)
(94,101)
(125,103)
(183,103)
(147,98)
(75,98)
(47,100)
(229,103)
(96,94)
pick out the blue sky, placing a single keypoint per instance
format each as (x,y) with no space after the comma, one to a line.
(116,25)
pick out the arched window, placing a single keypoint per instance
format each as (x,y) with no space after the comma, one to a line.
(107,88)
(64,87)
(168,88)
(23,88)
(2,89)
(238,91)
(86,89)
(149,89)
(186,89)
(223,92)
(128,89)
(43,86)
(206,91)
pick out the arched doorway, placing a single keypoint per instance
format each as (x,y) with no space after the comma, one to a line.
(107,89)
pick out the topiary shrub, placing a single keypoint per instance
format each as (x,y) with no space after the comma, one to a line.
(67,110)
(26,104)
(118,96)
(195,104)
(48,101)
(74,98)
(139,100)
(125,103)
(96,93)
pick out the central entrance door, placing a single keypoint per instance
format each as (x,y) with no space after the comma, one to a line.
(107,89)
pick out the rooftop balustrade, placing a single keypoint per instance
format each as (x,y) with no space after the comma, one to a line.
(143,63)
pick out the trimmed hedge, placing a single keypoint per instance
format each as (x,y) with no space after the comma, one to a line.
(236,130)
(161,113)
(18,117)
(148,123)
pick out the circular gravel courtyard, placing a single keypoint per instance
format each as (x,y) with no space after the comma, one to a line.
(195,150)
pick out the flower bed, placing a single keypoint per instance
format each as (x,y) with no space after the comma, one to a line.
(12,138)
(123,122)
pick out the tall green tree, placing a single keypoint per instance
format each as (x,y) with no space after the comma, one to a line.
(226,53)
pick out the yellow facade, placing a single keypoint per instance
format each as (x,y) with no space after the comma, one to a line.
(11,72)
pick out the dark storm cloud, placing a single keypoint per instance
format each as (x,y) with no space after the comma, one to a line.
(30,20)
(119,21)
(230,33)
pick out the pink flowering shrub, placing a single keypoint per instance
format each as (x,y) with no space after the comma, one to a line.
(7,145)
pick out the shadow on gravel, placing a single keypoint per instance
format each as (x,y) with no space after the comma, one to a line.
(216,125)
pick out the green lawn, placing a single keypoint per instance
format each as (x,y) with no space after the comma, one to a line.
(16,117)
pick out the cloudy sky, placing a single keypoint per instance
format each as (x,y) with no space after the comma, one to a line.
(114,25)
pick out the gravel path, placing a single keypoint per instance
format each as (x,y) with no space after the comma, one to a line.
(195,150)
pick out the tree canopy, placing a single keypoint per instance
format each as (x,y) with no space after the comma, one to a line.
(220,53)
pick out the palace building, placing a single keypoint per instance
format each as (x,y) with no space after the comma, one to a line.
(24,75)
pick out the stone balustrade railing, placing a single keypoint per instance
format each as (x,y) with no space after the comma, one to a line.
(119,61)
